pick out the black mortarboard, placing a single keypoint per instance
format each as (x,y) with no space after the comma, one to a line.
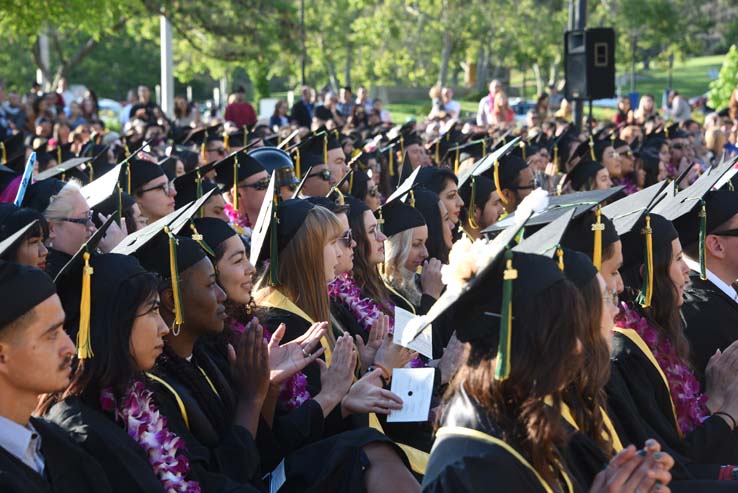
(599,148)
(583,174)
(210,231)
(191,186)
(476,192)
(433,178)
(38,195)
(591,233)
(625,212)
(357,207)
(101,189)
(204,135)
(11,148)
(140,172)
(311,159)
(13,238)
(547,240)
(399,217)
(460,153)
(22,288)
(359,184)
(65,170)
(674,132)
(169,165)
(578,267)
(505,170)
(238,138)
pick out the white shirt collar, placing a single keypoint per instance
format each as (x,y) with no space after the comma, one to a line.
(719,283)
(23,442)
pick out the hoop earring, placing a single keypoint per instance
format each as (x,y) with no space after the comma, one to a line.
(175,329)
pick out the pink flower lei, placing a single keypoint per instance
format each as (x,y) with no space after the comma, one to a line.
(689,402)
(143,422)
(293,393)
(344,289)
(236,218)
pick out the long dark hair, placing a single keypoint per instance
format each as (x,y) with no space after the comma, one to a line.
(426,202)
(110,335)
(664,313)
(545,331)
(18,220)
(365,274)
(586,396)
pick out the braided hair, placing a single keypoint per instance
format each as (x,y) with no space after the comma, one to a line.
(218,410)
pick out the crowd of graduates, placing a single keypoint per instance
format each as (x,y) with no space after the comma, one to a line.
(219,307)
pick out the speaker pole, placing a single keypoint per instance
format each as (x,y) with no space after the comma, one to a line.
(581,22)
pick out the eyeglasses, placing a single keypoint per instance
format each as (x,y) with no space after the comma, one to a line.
(728,232)
(325,175)
(373,191)
(220,151)
(84,221)
(677,146)
(259,185)
(167,188)
(347,238)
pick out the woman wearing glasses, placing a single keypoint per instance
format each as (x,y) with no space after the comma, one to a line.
(151,188)
(365,189)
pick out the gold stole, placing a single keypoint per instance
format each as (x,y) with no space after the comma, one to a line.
(638,341)
(418,459)
(460,431)
(617,445)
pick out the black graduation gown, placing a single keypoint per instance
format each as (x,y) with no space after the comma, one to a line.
(342,317)
(231,456)
(69,469)
(711,321)
(55,260)
(123,460)
(467,464)
(632,372)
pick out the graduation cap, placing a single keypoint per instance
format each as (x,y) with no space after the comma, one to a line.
(697,211)
(583,174)
(547,240)
(674,132)
(578,267)
(359,183)
(433,178)
(64,169)
(476,149)
(202,136)
(191,186)
(38,195)
(504,169)
(266,224)
(235,168)
(79,267)
(357,207)
(106,196)
(335,191)
(209,232)
(21,287)
(591,233)
(239,138)
(139,172)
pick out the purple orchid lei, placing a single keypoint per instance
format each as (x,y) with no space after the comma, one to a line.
(236,218)
(689,402)
(293,393)
(144,423)
(345,290)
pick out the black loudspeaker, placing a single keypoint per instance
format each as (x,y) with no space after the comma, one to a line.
(589,62)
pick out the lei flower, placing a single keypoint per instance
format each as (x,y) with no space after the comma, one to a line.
(143,422)
(628,183)
(689,402)
(345,290)
(236,218)
(293,393)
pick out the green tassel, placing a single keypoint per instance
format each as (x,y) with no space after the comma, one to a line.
(520,236)
(644,296)
(473,223)
(702,239)
(502,368)
(119,209)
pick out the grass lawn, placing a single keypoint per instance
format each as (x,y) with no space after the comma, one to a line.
(690,77)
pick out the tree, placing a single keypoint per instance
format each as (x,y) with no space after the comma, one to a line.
(722,88)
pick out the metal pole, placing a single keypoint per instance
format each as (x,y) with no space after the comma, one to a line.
(302,39)
(580,25)
(167,73)
(43,48)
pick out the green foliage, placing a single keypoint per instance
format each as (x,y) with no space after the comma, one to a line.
(722,87)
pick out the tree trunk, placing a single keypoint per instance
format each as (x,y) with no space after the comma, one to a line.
(445,57)
(553,73)
(539,79)
(349,61)
(482,69)
(525,84)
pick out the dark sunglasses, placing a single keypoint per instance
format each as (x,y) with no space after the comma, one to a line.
(325,175)
(677,146)
(259,185)
(373,191)
(728,232)
(347,238)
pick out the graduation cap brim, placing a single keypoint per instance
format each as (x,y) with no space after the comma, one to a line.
(684,201)
(102,188)
(493,249)
(728,176)
(261,227)
(88,246)
(64,167)
(547,239)
(486,162)
(581,202)
(626,212)
(402,190)
(189,211)
(131,243)
(11,240)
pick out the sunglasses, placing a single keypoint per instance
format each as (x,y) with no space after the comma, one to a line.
(325,175)
(84,221)
(373,191)
(347,238)
(259,185)
(167,188)
(728,232)
(677,146)
(220,151)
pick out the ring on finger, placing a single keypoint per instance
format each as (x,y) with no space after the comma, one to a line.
(305,353)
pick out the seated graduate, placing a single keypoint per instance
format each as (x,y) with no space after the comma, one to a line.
(445,184)
(438,220)
(651,354)
(30,249)
(295,293)
(243,188)
(191,186)
(502,422)
(35,358)
(484,206)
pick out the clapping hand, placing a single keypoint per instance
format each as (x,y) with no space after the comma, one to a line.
(287,359)
(368,351)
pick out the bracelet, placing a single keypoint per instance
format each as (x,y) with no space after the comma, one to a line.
(721,413)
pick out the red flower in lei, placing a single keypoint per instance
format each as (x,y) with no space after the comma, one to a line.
(689,402)
(143,422)
(235,217)
(293,393)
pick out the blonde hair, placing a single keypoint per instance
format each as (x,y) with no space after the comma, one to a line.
(60,205)
(397,250)
(434,92)
(301,271)
(715,140)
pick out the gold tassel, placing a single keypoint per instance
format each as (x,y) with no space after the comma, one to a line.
(522,150)
(58,154)
(351,183)
(484,147)
(235,183)
(496,176)
(298,171)
(560,255)
(412,199)
(556,157)
(174,274)
(592,148)
(644,297)
(128,176)
(598,228)
(198,238)
(125,148)
(456,162)
(226,141)
(391,162)
(325,149)
(4,152)
(402,149)
(203,154)
(438,153)
(84,345)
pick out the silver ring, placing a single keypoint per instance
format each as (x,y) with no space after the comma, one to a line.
(304,353)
